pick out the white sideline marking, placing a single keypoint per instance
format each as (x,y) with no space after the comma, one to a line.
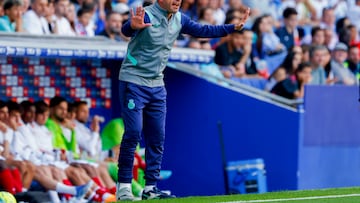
(296,198)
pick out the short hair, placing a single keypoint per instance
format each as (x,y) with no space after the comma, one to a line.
(302,66)
(82,11)
(289,11)
(79,103)
(13,106)
(26,105)
(41,107)
(55,101)
(109,14)
(2,104)
(11,3)
(316,29)
(316,48)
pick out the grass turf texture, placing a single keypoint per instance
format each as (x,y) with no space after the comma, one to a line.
(285,196)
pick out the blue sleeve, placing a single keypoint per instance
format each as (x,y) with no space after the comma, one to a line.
(128,31)
(204,31)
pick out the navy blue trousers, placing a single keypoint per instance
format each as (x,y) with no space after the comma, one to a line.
(143,110)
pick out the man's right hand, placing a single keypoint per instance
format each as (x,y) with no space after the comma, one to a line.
(137,19)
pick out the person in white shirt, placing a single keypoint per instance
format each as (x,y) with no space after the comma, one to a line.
(26,169)
(34,21)
(25,148)
(62,23)
(89,140)
(354,14)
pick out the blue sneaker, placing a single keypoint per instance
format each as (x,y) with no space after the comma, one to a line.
(155,193)
(83,189)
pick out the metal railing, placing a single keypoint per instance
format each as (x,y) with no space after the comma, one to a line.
(239,87)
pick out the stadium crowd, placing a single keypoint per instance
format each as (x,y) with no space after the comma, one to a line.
(279,36)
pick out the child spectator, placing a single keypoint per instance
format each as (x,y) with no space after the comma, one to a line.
(12,19)
(293,86)
(84,17)
(290,34)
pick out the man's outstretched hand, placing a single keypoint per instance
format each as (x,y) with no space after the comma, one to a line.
(137,19)
(245,11)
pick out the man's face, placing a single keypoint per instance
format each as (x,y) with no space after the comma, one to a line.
(60,111)
(318,57)
(61,7)
(82,113)
(340,55)
(319,38)
(15,117)
(14,13)
(4,114)
(39,7)
(29,115)
(41,118)
(354,55)
(291,21)
(171,6)
(114,23)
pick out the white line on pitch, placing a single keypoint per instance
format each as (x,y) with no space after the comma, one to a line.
(296,198)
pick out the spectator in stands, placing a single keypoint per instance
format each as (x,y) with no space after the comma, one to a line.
(218,12)
(317,58)
(232,5)
(341,24)
(317,36)
(62,24)
(50,17)
(123,10)
(25,5)
(277,76)
(84,17)
(320,5)
(113,27)
(11,21)
(290,34)
(286,69)
(353,61)
(331,38)
(305,9)
(71,15)
(267,43)
(354,35)
(305,52)
(353,14)
(34,20)
(229,55)
(328,19)
(97,23)
(188,7)
(342,74)
(293,86)
(206,17)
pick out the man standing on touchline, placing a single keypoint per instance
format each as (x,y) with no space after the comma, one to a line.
(153,31)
